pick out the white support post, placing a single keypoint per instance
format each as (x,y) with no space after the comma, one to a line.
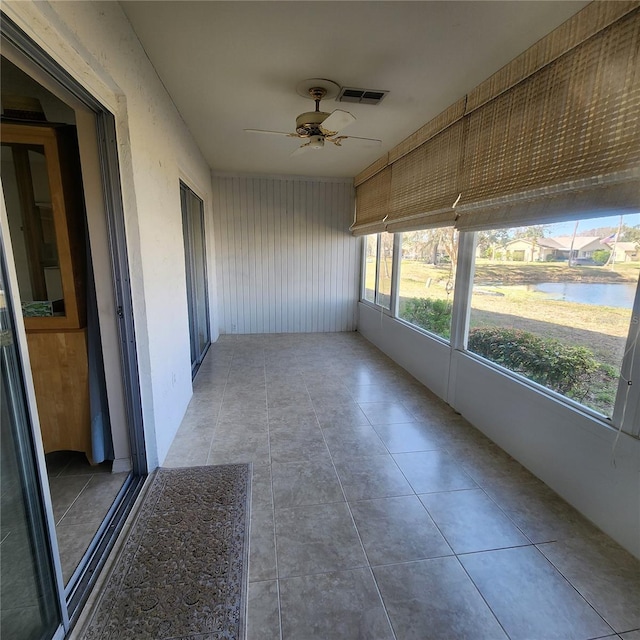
(461,304)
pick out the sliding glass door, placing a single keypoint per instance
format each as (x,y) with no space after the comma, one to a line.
(73,450)
(196,269)
(29,599)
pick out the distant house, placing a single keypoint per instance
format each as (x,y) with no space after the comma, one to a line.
(558,248)
(624,251)
(532,250)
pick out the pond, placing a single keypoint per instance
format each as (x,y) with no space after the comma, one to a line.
(619,294)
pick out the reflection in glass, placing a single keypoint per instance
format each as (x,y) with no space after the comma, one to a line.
(385,267)
(371,257)
(28,607)
(31,223)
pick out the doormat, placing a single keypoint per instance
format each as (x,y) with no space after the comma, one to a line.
(182,570)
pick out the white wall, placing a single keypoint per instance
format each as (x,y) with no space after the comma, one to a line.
(568,450)
(94,42)
(286,261)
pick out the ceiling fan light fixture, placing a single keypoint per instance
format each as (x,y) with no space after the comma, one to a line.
(316,127)
(316,142)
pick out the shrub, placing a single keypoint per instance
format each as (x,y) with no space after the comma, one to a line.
(600,256)
(428,313)
(566,369)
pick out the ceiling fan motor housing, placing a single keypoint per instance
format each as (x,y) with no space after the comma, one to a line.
(308,124)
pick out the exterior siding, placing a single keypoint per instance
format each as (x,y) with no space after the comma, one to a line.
(285,260)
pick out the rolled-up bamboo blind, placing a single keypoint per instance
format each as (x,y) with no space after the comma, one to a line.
(372,203)
(371,170)
(595,17)
(554,135)
(563,142)
(451,114)
(425,182)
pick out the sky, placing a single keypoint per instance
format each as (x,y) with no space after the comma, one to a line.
(566,228)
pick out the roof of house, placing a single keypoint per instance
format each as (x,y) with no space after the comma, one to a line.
(562,243)
(630,247)
(580,242)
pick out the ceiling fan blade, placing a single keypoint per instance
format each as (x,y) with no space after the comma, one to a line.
(337,121)
(274,133)
(361,142)
(301,149)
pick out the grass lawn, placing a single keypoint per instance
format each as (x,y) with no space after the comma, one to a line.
(536,272)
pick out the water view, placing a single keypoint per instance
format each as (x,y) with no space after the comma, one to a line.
(619,294)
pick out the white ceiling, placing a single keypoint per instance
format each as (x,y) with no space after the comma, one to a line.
(235,65)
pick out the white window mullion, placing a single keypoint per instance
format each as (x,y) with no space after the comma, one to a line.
(363,269)
(626,412)
(463,289)
(395,274)
(376,286)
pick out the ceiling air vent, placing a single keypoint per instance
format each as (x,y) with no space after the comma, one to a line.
(363,96)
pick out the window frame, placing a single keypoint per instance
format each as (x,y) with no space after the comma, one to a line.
(621,419)
(625,416)
(363,274)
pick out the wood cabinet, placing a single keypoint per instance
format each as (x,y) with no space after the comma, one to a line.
(43,193)
(61,380)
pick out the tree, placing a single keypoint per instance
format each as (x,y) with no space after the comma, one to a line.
(492,240)
(532,232)
(424,244)
(630,234)
(386,252)
(573,240)
(449,240)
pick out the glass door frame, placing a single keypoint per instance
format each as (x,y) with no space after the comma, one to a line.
(46,70)
(32,438)
(188,197)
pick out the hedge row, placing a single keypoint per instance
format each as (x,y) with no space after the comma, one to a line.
(569,370)
(566,369)
(428,313)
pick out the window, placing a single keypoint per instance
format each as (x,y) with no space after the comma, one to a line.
(385,269)
(550,302)
(427,274)
(378,269)
(370,264)
(554,303)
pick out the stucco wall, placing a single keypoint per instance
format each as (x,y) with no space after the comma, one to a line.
(94,42)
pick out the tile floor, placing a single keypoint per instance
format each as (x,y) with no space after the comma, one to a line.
(377,512)
(81,495)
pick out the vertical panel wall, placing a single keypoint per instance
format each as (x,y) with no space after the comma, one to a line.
(285,260)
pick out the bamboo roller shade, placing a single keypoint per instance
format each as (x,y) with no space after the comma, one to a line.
(427,180)
(571,128)
(554,133)
(372,203)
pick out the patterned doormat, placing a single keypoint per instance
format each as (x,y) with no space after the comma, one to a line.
(181,572)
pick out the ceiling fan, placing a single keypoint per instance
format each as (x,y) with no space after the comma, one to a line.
(318,127)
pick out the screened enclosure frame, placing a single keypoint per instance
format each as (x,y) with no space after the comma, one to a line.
(626,409)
